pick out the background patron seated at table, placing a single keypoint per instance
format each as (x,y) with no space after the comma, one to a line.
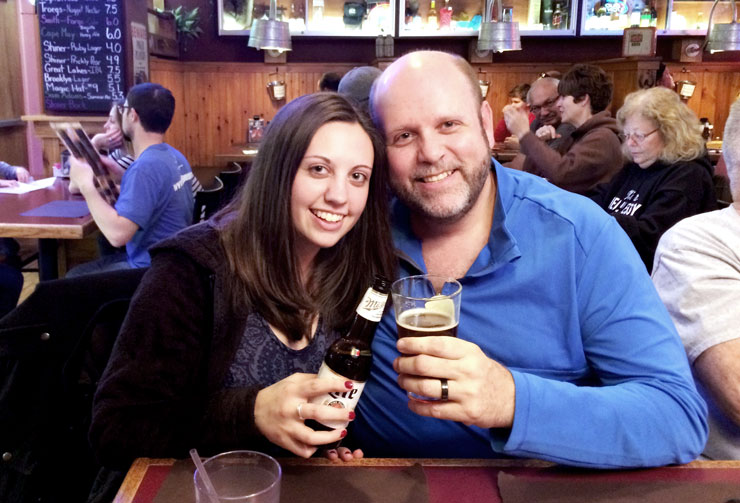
(667,176)
(590,154)
(11,279)
(517,96)
(697,274)
(156,198)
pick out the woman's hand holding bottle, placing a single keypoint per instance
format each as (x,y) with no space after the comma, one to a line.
(281,409)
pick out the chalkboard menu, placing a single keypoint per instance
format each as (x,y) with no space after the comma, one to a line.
(82,54)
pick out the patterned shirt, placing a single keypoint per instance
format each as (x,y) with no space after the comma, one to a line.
(262,359)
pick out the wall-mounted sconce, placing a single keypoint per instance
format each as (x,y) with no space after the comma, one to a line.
(484,85)
(685,89)
(276,88)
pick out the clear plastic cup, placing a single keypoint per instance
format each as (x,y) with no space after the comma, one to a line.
(240,476)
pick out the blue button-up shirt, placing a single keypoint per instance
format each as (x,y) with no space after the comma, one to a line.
(561,298)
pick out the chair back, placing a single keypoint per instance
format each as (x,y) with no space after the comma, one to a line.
(53,349)
(232,177)
(208,201)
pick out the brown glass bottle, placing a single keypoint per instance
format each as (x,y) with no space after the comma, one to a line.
(349,358)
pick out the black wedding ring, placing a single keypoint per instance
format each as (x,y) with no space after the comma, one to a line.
(445,388)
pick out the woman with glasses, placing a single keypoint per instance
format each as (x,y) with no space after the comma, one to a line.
(667,177)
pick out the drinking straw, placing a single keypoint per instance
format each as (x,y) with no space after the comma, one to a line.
(210,490)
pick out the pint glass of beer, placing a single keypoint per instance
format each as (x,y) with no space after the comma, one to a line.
(426,305)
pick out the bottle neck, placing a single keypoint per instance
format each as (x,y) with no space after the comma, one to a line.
(369,312)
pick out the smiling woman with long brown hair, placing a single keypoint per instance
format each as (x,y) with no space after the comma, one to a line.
(221,344)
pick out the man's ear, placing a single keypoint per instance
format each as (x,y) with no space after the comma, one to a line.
(487,121)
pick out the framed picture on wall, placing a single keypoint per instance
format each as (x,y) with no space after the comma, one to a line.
(639,42)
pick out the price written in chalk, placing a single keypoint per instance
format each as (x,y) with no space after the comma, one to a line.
(82,54)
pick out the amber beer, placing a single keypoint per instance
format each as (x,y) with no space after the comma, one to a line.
(421,322)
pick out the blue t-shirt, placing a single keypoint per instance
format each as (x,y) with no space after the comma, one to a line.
(156,195)
(560,297)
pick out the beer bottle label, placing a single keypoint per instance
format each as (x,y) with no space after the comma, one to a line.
(372,305)
(342,400)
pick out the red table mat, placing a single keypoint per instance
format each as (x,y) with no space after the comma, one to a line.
(469,484)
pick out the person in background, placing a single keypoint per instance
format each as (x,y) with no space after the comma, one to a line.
(663,78)
(517,96)
(112,142)
(542,99)
(591,154)
(10,173)
(156,198)
(668,175)
(329,81)
(697,274)
(11,278)
(11,285)
(223,339)
(357,83)
(564,350)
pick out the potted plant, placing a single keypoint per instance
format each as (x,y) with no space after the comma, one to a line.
(187,24)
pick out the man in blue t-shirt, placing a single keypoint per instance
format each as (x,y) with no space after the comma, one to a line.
(156,199)
(564,349)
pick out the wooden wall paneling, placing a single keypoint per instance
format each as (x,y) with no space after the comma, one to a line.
(709,92)
(11,92)
(11,138)
(12,132)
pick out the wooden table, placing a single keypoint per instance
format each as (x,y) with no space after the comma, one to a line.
(452,480)
(243,153)
(48,230)
(503,155)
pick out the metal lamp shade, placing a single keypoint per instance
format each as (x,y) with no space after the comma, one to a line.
(270,34)
(724,37)
(499,37)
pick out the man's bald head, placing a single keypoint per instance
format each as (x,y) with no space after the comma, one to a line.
(422,64)
(547,85)
(542,100)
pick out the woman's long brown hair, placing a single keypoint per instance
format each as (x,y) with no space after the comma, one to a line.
(259,237)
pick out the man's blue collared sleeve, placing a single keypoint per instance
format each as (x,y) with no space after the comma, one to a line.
(646,410)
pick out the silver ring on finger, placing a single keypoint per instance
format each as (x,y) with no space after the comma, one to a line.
(300,416)
(445,389)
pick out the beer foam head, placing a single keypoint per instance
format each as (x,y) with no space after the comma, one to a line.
(422,319)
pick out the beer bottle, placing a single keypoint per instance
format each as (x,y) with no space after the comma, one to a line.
(349,358)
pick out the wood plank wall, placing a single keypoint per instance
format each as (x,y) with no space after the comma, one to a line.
(12,134)
(717,87)
(216,100)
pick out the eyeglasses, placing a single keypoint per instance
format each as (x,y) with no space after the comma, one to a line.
(547,104)
(637,137)
(121,108)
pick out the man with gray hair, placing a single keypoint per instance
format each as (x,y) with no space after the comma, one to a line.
(542,99)
(697,274)
(548,126)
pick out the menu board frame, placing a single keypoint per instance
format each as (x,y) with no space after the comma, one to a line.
(83,54)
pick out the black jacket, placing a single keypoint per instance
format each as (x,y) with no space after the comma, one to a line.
(53,348)
(647,202)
